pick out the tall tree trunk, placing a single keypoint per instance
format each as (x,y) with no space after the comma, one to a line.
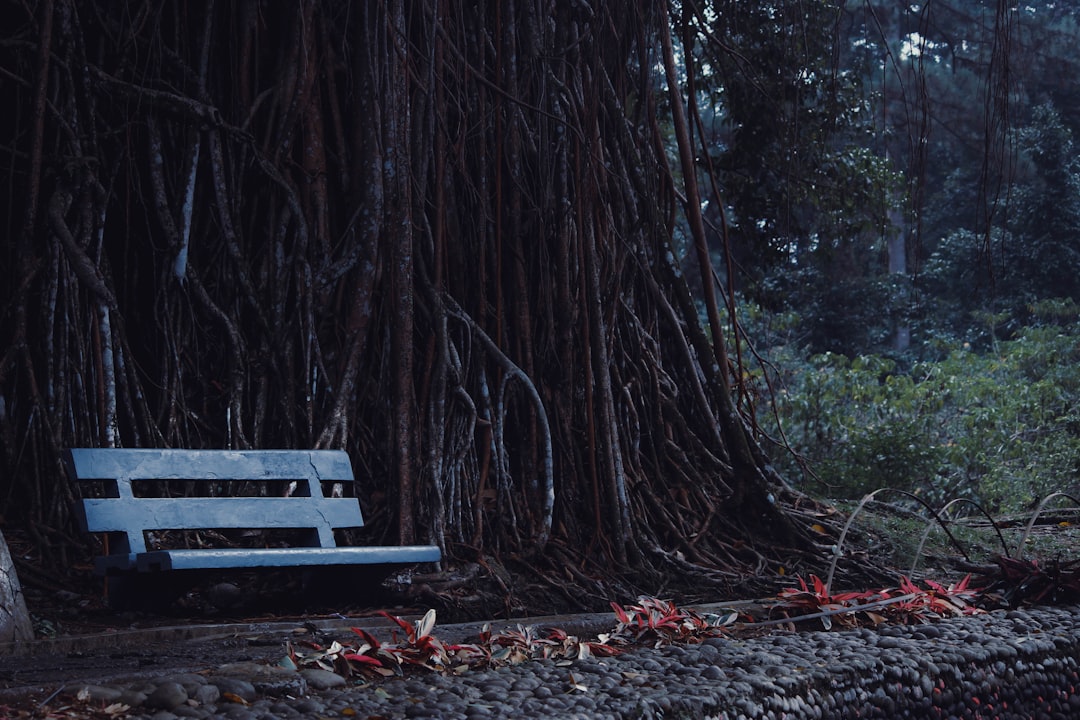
(15,623)
(438,237)
(897,251)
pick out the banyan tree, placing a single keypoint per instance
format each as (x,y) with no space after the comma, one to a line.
(437,235)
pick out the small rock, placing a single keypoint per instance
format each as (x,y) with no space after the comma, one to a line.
(190,681)
(284,710)
(238,712)
(206,694)
(274,680)
(712,673)
(132,698)
(322,679)
(309,706)
(233,686)
(167,696)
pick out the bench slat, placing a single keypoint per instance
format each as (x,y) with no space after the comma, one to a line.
(138,514)
(284,557)
(167,464)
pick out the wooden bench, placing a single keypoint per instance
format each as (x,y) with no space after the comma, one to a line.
(291,498)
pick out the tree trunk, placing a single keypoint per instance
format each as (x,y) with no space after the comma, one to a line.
(440,238)
(15,625)
(897,247)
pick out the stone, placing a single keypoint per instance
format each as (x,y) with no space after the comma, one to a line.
(322,679)
(132,698)
(233,687)
(206,694)
(167,696)
(309,706)
(712,672)
(191,682)
(273,680)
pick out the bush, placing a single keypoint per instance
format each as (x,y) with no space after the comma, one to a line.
(1001,427)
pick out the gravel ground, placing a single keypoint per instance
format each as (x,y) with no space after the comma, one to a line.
(1016,664)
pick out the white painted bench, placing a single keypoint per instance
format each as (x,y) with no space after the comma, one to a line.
(299,503)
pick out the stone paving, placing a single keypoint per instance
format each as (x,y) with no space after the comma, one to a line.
(1005,664)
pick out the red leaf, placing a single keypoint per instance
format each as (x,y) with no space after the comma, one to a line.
(601,650)
(367,637)
(363,659)
(405,625)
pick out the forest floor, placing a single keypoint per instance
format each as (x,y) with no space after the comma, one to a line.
(217,623)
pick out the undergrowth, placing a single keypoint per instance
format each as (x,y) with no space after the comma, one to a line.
(999,426)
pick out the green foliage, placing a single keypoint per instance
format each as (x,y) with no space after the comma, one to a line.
(999,426)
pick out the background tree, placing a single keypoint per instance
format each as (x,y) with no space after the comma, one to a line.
(790,135)
(855,138)
(968,87)
(438,237)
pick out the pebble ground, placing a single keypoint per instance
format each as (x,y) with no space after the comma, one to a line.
(1015,664)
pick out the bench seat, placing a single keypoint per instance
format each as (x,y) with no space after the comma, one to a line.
(225,558)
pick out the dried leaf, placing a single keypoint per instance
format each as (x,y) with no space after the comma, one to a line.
(425,625)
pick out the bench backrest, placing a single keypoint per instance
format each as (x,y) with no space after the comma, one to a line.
(306,507)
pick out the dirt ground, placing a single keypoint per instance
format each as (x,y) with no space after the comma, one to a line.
(98,646)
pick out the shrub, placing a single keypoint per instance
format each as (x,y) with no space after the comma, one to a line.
(1001,426)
